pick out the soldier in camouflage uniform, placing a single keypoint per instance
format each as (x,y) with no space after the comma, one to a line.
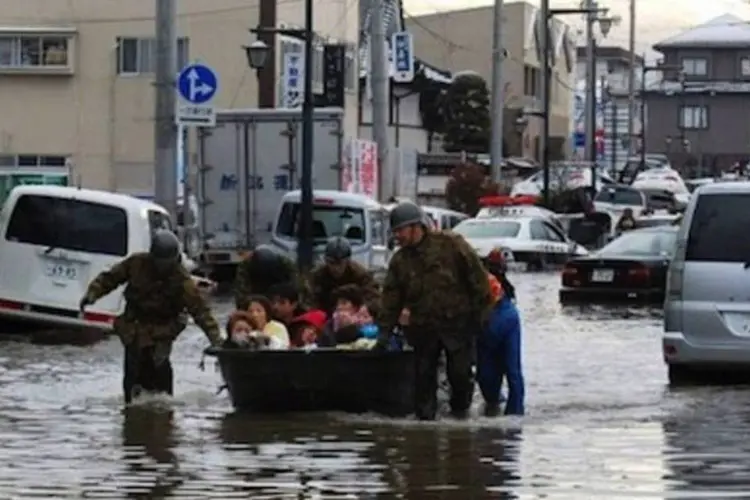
(437,289)
(158,294)
(258,273)
(339,270)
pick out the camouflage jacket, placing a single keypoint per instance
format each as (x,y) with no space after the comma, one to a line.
(250,281)
(441,281)
(324,283)
(155,303)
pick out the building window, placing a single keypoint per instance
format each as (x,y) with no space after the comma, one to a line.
(34,51)
(532,80)
(695,66)
(32,160)
(694,117)
(745,67)
(136,56)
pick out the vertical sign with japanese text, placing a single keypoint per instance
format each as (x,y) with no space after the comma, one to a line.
(334,60)
(402,49)
(367,171)
(294,77)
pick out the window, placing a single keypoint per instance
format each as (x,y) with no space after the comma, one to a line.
(620,196)
(553,234)
(745,66)
(32,161)
(695,66)
(136,56)
(643,243)
(717,220)
(538,231)
(694,117)
(532,81)
(328,221)
(34,51)
(378,226)
(488,229)
(69,224)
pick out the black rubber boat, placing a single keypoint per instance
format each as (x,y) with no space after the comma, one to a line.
(318,380)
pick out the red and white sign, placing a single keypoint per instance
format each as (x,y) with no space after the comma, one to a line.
(359,172)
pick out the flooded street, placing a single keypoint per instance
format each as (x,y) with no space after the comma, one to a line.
(601,424)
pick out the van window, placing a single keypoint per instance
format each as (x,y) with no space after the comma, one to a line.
(378,230)
(328,221)
(620,196)
(717,229)
(69,224)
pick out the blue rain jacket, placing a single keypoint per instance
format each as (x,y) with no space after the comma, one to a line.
(499,356)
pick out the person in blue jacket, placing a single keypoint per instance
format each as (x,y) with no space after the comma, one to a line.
(499,356)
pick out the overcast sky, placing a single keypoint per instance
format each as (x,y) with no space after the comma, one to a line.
(656,19)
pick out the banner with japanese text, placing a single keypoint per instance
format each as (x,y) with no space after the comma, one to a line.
(359,167)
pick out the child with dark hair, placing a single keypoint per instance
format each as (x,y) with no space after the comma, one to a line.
(353,322)
(260,312)
(240,333)
(285,301)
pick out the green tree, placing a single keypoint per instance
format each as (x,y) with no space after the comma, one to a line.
(467,115)
(467,184)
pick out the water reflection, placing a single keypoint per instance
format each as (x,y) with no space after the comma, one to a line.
(148,441)
(703,453)
(317,455)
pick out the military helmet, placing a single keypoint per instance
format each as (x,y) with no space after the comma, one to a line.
(164,245)
(405,214)
(338,248)
(264,255)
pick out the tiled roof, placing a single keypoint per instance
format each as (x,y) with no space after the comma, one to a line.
(724,31)
(393,20)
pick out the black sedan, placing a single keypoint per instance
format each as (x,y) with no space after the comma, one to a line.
(630,269)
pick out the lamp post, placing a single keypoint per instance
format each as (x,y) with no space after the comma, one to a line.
(257,54)
(644,71)
(605,24)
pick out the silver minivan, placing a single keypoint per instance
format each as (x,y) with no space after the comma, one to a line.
(707,305)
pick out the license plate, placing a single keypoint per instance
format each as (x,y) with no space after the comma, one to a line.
(602,275)
(62,271)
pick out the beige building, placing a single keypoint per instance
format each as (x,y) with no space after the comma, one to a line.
(462,40)
(76,76)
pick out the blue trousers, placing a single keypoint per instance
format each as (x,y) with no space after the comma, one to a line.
(498,358)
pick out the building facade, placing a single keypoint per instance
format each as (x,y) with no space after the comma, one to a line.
(77,76)
(698,116)
(462,40)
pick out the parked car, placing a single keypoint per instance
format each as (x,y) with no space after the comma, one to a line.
(707,305)
(631,268)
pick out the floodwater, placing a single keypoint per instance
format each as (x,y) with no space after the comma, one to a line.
(601,424)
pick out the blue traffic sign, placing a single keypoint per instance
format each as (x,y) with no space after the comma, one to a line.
(579,139)
(402,49)
(197,83)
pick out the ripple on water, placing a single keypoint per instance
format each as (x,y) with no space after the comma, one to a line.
(600,425)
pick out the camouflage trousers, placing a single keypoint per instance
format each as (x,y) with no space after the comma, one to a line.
(146,370)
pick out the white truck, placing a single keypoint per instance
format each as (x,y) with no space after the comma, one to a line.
(248,162)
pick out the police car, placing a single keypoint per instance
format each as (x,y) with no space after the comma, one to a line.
(531,242)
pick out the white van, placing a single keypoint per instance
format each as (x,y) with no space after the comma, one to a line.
(55,240)
(360,219)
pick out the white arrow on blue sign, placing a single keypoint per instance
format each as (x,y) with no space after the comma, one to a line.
(197,85)
(402,47)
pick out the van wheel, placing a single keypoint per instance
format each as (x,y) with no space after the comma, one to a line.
(681,376)
(537,263)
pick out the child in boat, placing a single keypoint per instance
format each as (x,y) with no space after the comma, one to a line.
(260,313)
(353,321)
(305,330)
(240,333)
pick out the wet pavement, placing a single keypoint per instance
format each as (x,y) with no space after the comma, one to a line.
(601,424)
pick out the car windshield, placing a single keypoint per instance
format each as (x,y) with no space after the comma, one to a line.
(642,243)
(488,229)
(620,196)
(328,221)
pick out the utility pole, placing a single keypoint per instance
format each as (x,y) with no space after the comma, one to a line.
(498,90)
(591,155)
(305,247)
(631,79)
(379,82)
(165,130)
(545,42)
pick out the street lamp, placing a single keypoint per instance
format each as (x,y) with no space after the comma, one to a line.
(605,25)
(257,53)
(644,71)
